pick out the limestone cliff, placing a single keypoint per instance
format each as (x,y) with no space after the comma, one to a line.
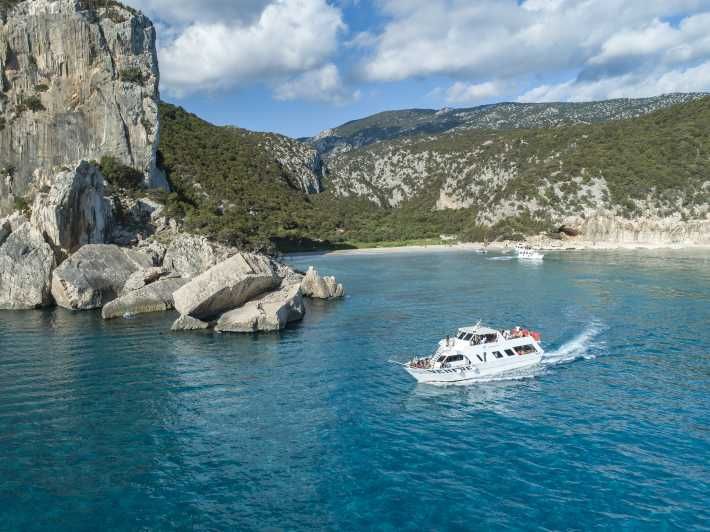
(76,82)
(302,164)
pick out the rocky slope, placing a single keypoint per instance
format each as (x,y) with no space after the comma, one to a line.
(49,260)
(76,82)
(656,166)
(391,125)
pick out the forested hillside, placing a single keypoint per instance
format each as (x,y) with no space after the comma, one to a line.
(391,125)
(475,183)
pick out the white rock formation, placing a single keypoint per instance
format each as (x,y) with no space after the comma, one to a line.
(226,286)
(317,287)
(143,278)
(604,226)
(191,255)
(155,297)
(188,323)
(26,263)
(95,275)
(74,212)
(77,84)
(269,312)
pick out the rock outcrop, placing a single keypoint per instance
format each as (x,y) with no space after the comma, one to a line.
(95,275)
(155,297)
(604,226)
(188,323)
(317,287)
(226,286)
(191,255)
(26,263)
(78,83)
(303,164)
(269,312)
(74,211)
(145,277)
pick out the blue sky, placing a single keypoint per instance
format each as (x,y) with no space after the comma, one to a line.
(300,66)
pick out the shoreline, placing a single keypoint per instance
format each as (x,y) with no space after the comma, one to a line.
(506,246)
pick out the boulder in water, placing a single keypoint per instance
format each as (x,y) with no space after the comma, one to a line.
(26,264)
(269,312)
(317,287)
(155,297)
(145,277)
(188,323)
(190,255)
(227,285)
(95,275)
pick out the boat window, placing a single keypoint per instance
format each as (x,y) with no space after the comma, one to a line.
(497,354)
(509,352)
(479,358)
(468,337)
(460,335)
(525,349)
(455,358)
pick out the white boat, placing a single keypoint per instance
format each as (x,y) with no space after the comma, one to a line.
(477,352)
(527,253)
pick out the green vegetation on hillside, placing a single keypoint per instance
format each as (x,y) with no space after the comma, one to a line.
(663,156)
(228,186)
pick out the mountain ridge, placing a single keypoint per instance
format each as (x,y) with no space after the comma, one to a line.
(392,124)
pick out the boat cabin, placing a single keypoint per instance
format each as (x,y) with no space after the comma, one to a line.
(479,335)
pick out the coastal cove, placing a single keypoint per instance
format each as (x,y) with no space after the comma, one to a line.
(122,424)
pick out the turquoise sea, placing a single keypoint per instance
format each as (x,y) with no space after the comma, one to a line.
(123,425)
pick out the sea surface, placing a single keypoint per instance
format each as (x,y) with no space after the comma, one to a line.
(123,425)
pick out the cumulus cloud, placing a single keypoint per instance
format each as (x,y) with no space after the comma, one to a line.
(602,43)
(691,79)
(268,42)
(320,85)
(460,93)
(191,11)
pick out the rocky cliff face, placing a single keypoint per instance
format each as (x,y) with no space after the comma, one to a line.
(302,163)
(75,83)
(605,226)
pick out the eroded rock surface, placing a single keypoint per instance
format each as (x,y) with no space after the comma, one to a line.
(26,263)
(95,275)
(188,323)
(318,287)
(74,211)
(155,297)
(78,83)
(190,255)
(268,312)
(226,286)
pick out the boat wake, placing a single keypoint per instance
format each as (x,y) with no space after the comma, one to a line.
(501,258)
(581,346)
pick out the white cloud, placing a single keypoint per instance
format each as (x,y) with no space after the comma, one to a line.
(193,11)
(460,93)
(320,85)
(286,38)
(612,44)
(691,79)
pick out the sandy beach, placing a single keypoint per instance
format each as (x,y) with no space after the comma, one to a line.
(506,246)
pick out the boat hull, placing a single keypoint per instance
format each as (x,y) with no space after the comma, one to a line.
(474,372)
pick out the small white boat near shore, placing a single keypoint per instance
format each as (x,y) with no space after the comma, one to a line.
(525,252)
(477,352)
